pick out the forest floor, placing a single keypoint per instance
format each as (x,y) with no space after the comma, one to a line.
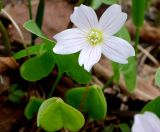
(122,105)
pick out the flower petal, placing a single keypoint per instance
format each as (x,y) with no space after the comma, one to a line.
(73,33)
(147,122)
(154,120)
(117,49)
(69,41)
(84,17)
(112,20)
(89,56)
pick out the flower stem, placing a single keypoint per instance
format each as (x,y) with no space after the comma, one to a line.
(1,5)
(30,9)
(137,37)
(5,38)
(80,2)
(55,84)
(109,81)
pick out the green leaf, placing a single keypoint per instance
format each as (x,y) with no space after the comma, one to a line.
(32,50)
(77,98)
(96,99)
(138,12)
(109,2)
(66,63)
(129,70)
(130,73)
(147,4)
(95,4)
(16,96)
(69,64)
(87,99)
(32,107)
(80,75)
(54,114)
(157,77)
(108,128)
(123,33)
(31,26)
(153,106)
(39,15)
(124,127)
(116,72)
(38,67)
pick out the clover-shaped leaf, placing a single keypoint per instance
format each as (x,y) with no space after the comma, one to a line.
(66,63)
(69,64)
(54,114)
(37,49)
(87,99)
(37,67)
(128,70)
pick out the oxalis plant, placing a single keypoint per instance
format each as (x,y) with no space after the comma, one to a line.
(74,52)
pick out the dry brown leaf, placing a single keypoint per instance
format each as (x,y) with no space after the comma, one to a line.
(145,89)
(56,17)
(148,32)
(7,63)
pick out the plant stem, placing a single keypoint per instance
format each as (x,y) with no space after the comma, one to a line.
(5,38)
(30,9)
(137,36)
(55,84)
(80,2)
(39,18)
(1,5)
(30,17)
(109,81)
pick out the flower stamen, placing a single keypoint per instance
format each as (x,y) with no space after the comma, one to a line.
(95,37)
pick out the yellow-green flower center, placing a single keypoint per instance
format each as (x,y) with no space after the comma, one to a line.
(95,37)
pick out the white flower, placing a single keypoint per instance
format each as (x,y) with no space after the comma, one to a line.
(147,122)
(93,37)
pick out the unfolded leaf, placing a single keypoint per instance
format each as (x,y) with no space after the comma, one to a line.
(109,2)
(124,127)
(54,114)
(129,70)
(69,64)
(37,67)
(88,99)
(130,74)
(95,4)
(32,50)
(116,72)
